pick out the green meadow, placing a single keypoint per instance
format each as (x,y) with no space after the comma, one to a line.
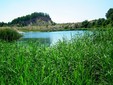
(86,60)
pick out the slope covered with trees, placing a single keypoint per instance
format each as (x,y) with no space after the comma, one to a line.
(32,19)
(43,19)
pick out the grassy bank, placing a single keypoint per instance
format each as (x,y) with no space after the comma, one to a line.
(9,34)
(45,28)
(83,61)
(50,28)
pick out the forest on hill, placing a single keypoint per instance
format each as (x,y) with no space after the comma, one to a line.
(31,19)
(43,19)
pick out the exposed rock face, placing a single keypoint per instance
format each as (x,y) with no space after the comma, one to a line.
(33,19)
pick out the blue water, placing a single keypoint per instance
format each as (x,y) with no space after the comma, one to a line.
(53,37)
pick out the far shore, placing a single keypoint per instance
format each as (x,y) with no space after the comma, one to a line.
(48,29)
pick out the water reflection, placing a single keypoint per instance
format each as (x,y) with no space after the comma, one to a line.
(38,41)
(50,38)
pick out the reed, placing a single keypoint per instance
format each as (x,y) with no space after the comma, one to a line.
(9,34)
(82,61)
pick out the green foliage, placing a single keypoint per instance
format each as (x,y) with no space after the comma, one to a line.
(82,61)
(31,19)
(3,24)
(85,24)
(100,22)
(9,34)
(42,19)
(109,14)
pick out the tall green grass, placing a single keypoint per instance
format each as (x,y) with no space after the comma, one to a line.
(9,34)
(81,61)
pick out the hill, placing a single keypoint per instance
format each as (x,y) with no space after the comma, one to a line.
(32,19)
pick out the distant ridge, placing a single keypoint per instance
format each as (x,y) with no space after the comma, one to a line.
(33,19)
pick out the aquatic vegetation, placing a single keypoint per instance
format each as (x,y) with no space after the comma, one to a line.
(9,34)
(86,60)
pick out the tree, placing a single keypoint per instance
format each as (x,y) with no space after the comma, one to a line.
(85,24)
(100,22)
(3,24)
(109,14)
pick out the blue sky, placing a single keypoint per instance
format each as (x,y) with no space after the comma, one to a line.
(60,11)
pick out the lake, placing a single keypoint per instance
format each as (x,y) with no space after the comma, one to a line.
(51,37)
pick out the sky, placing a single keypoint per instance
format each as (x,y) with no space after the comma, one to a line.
(60,11)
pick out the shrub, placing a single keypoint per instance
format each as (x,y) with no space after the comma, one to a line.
(9,35)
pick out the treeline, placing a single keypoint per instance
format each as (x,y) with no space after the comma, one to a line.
(37,19)
(101,22)
(30,19)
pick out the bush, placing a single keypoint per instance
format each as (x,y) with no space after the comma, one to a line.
(9,35)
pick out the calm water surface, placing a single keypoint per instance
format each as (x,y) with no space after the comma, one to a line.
(52,37)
